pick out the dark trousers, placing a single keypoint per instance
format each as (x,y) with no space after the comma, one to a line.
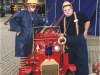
(78,54)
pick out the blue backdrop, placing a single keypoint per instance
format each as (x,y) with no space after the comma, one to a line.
(88,7)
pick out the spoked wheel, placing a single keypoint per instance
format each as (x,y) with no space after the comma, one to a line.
(32,73)
(69,72)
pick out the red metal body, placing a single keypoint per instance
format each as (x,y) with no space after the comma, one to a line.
(38,55)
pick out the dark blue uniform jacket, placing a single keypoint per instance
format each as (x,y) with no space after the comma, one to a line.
(22,21)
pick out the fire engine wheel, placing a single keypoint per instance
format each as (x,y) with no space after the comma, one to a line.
(69,72)
(32,73)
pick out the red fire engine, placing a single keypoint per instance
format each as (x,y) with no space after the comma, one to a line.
(48,56)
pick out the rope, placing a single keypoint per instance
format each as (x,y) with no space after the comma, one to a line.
(51,7)
(59,20)
(55,18)
(72,1)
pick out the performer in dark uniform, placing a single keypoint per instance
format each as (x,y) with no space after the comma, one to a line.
(74,27)
(23,23)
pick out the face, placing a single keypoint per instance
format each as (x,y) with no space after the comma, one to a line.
(31,7)
(68,11)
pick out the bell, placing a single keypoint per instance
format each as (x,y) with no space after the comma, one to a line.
(32,1)
(62,40)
